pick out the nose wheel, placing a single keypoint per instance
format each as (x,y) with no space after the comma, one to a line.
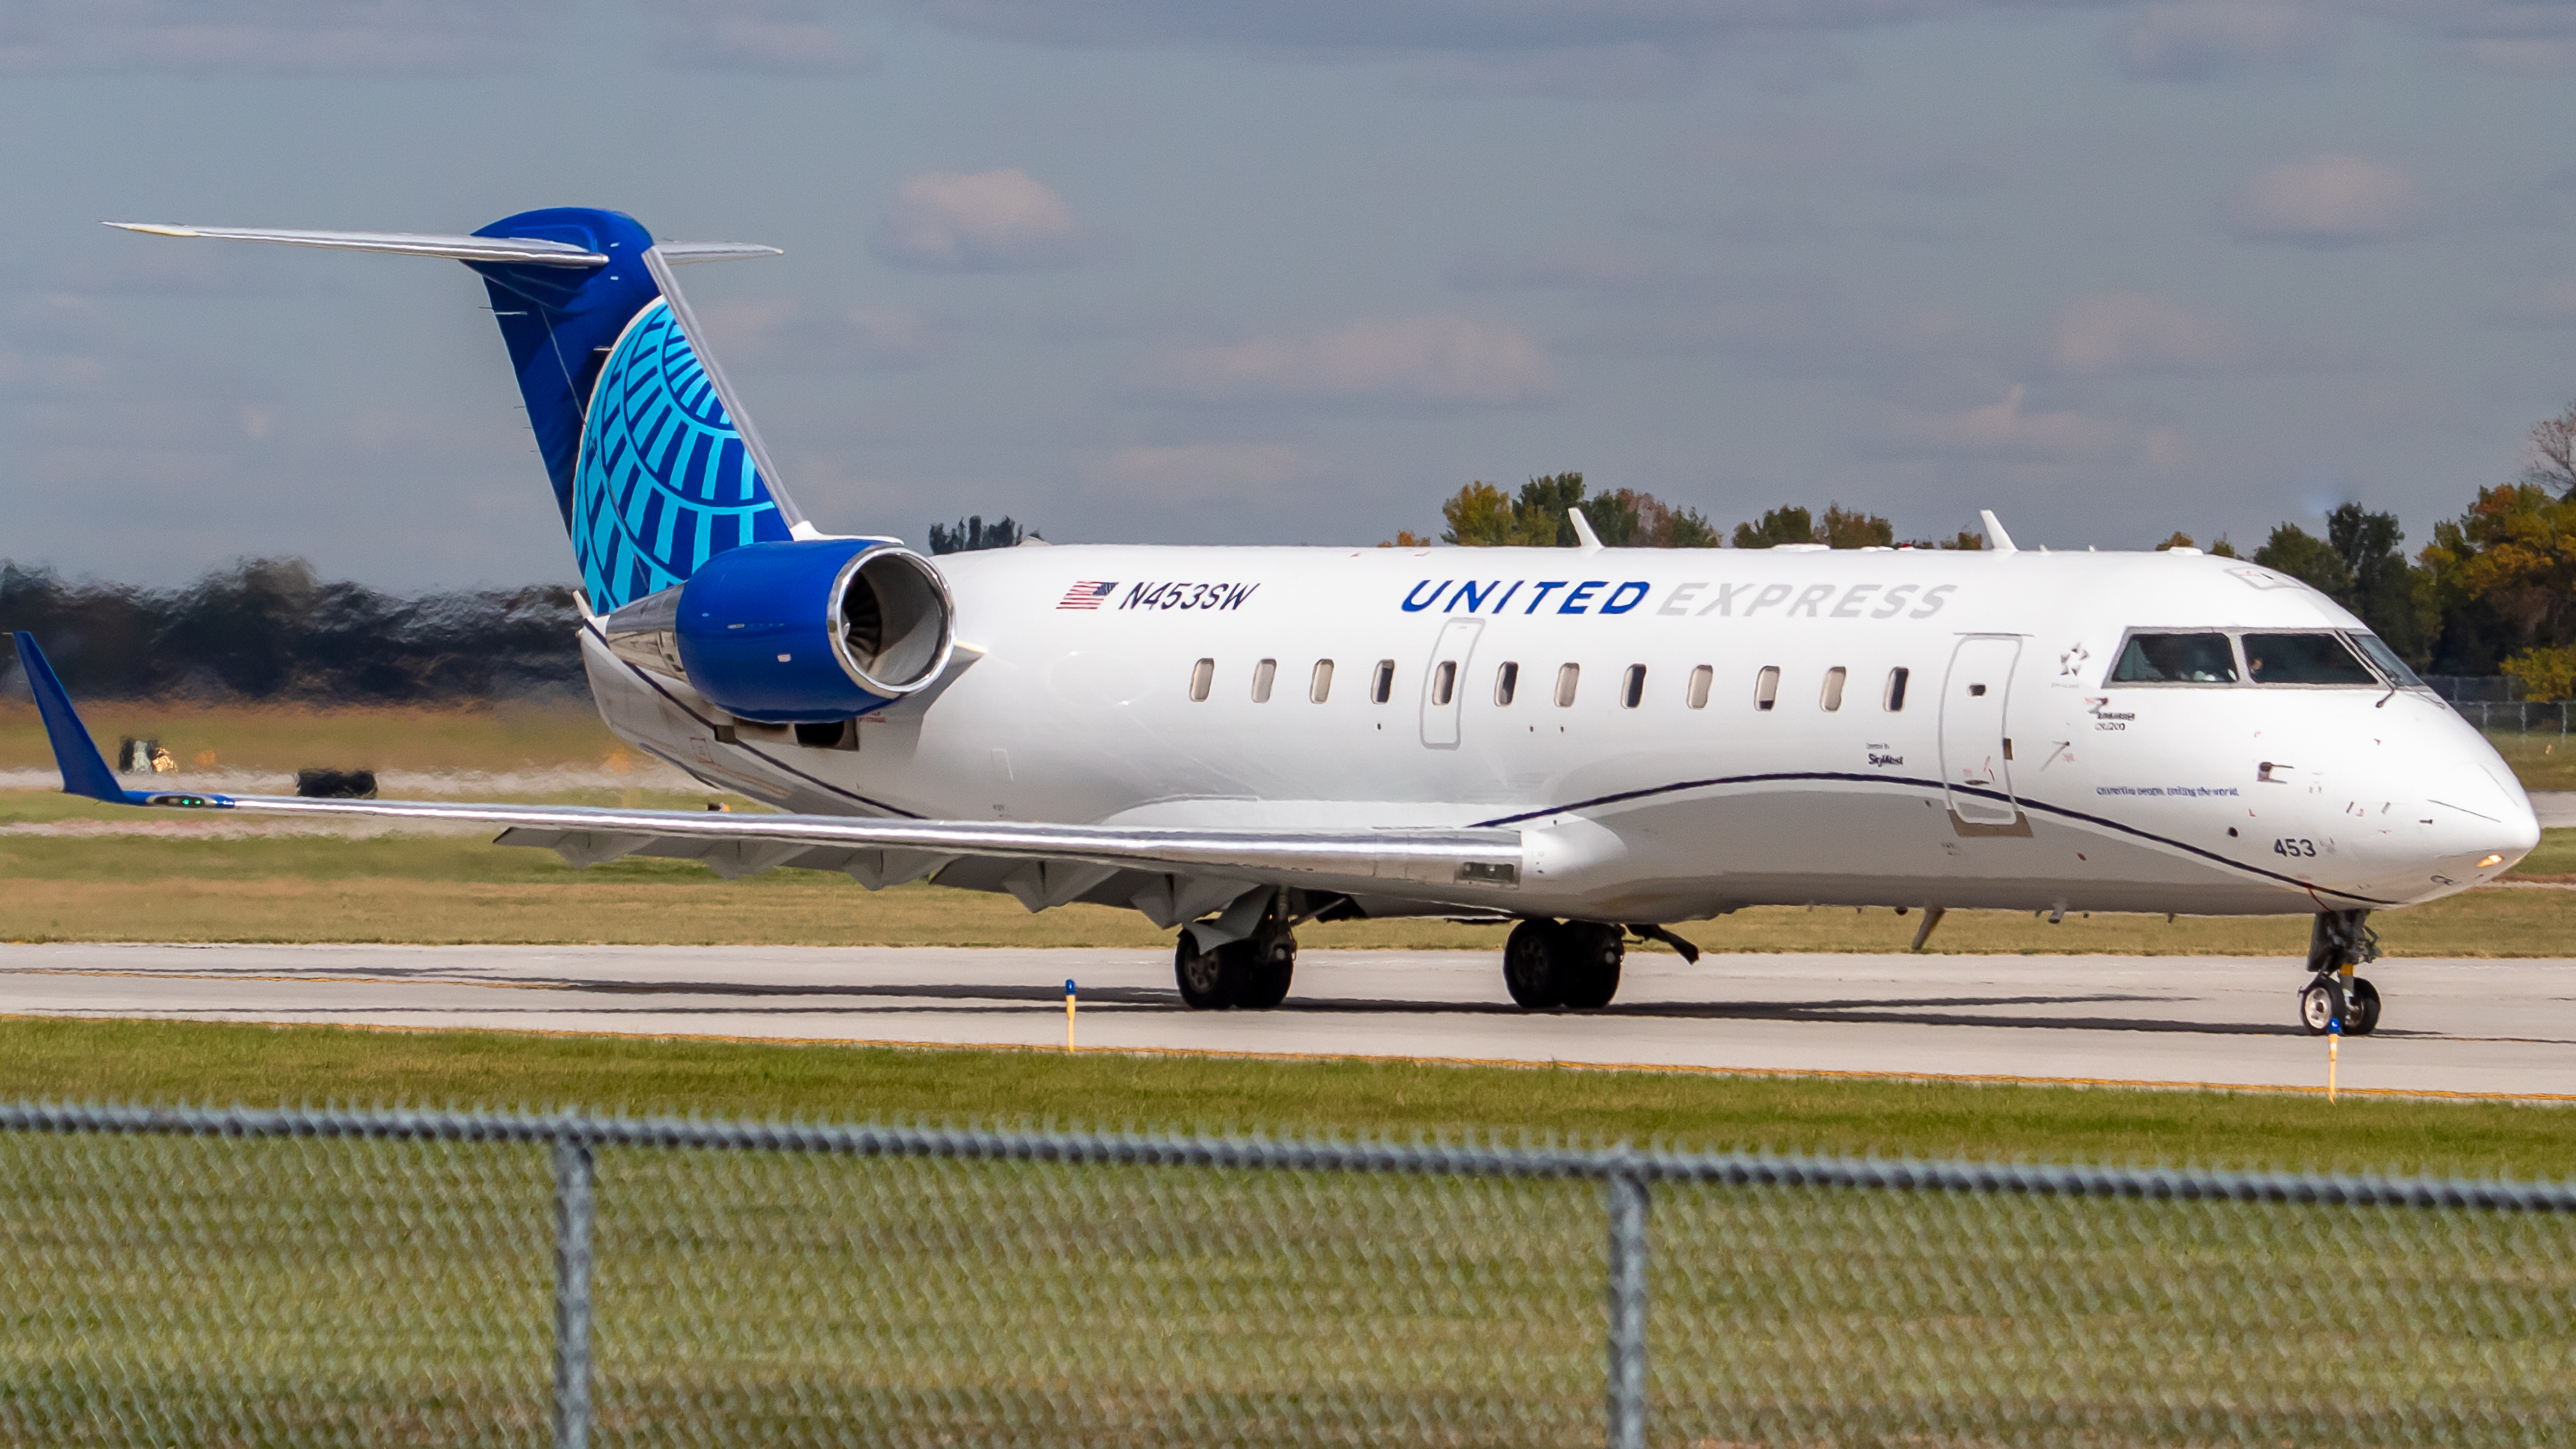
(2338,943)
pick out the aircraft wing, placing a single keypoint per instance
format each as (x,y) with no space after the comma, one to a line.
(876,852)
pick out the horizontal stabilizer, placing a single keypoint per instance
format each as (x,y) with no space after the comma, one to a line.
(680,254)
(525,250)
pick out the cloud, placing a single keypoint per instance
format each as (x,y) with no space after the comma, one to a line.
(2207,40)
(382,37)
(992,221)
(1189,472)
(2551,304)
(2521,54)
(790,335)
(1437,360)
(2004,431)
(2330,201)
(1577,268)
(1414,25)
(1592,72)
(2128,332)
(758,37)
(1949,176)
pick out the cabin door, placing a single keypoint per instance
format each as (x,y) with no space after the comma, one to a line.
(1976,749)
(1444,684)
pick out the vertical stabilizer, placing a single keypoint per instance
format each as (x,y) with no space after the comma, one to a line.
(655,468)
(651,472)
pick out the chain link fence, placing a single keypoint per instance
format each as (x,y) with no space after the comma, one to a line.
(239,1277)
(2519,718)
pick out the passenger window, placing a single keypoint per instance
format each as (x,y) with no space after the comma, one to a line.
(1264,674)
(1507,681)
(1896,689)
(1699,682)
(1833,697)
(1566,678)
(1202,674)
(2304,659)
(1632,691)
(1766,687)
(2175,659)
(1382,683)
(2378,652)
(1444,682)
(1321,687)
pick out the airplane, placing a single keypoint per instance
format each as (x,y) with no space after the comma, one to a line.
(1592,744)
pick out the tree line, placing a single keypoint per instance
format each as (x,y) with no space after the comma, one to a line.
(269,629)
(2493,592)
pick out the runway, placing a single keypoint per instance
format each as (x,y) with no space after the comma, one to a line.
(2503,1028)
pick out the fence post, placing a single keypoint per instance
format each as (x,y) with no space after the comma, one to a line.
(574,1178)
(1627,1407)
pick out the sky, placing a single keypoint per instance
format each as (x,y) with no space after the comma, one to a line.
(1171,271)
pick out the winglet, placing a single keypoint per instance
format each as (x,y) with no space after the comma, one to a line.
(84,770)
(1996,538)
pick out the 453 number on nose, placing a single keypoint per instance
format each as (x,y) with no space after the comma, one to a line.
(2294,847)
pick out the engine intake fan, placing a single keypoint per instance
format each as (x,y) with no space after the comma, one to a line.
(795,633)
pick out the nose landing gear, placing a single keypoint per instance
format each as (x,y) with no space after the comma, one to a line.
(2336,944)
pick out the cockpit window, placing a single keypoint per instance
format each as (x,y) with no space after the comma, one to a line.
(2304,659)
(2389,664)
(2176,659)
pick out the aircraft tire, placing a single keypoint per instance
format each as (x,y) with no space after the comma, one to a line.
(2319,1006)
(2361,1013)
(1209,980)
(1586,966)
(1267,966)
(1529,965)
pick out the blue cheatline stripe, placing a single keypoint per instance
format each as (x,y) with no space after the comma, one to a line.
(1839,777)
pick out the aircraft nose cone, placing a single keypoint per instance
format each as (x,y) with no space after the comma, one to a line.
(2486,820)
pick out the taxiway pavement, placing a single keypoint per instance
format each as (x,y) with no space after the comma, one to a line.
(2452,1026)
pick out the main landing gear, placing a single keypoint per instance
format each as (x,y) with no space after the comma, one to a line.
(1572,963)
(2336,944)
(1252,973)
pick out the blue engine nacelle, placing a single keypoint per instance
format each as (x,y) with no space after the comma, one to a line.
(798,632)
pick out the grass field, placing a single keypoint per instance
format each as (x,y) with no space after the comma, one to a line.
(457,889)
(265,1066)
(2542,762)
(213,1291)
(286,738)
(209,1291)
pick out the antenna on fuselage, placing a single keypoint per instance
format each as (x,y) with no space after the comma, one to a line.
(1996,538)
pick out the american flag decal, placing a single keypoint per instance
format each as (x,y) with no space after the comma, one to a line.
(1087,594)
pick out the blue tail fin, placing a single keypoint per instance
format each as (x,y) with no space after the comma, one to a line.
(651,470)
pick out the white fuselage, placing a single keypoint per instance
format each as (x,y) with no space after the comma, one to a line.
(2012,775)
